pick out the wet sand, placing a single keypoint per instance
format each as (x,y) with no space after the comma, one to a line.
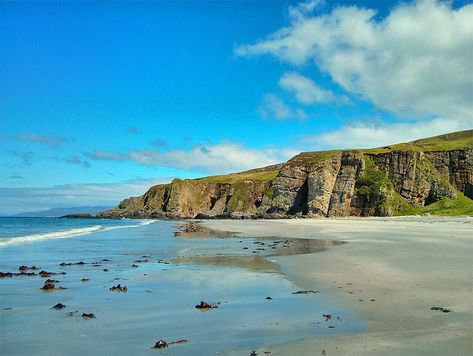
(118,292)
(390,273)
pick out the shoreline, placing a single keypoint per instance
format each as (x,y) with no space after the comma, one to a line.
(391,273)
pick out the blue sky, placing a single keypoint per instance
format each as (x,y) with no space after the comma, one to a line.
(101,100)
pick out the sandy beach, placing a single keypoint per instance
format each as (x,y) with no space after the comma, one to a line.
(391,273)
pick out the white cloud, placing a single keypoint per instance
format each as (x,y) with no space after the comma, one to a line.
(273,107)
(77,160)
(48,140)
(369,135)
(416,61)
(107,155)
(306,91)
(221,158)
(16,200)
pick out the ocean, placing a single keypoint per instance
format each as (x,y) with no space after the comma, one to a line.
(165,276)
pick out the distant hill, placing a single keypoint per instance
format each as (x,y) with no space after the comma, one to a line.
(57,212)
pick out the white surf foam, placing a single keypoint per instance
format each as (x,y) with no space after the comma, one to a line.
(61,234)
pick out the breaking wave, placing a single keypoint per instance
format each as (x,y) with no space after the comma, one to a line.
(61,234)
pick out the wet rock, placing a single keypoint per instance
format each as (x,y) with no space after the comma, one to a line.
(48,286)
(442,309)
(305,292)
(6,274)
(268,298)
(253,353)
(331,327)
(105,260)
(85,280)
(72,263)
(49,281)
(105,270)
(161,344)
(205,305)
(23,268)
(23,273)
(88,315)
(58,306)
(140,261)
(134,266)
(327,317)
(46,274)
(119,288)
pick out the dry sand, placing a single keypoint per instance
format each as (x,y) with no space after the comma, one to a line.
(407,265)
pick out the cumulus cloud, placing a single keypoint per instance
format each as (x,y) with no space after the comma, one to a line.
(306,91)
(416,61)
(16,200)
(53,141)
(273,107)
(377,134)
(222,158)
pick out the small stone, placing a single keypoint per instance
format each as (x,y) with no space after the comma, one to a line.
(161,344)
(205,305)
(327,316)
(119,288)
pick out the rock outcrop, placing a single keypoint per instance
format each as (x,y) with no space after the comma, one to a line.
(374,182)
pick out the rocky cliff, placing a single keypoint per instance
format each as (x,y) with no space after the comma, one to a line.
(432,175)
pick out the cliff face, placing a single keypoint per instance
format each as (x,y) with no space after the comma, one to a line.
(379,182)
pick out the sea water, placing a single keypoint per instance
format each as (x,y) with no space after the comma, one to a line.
(162,292)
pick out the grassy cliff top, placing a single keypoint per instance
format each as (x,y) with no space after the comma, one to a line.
(253,175)
(447,142)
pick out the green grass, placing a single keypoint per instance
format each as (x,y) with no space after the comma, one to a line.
(234,178)
(462,206)
(312,158)
(448,142)
(376,187)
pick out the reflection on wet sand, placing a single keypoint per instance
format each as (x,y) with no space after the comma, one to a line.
(253,263)
(249,253)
